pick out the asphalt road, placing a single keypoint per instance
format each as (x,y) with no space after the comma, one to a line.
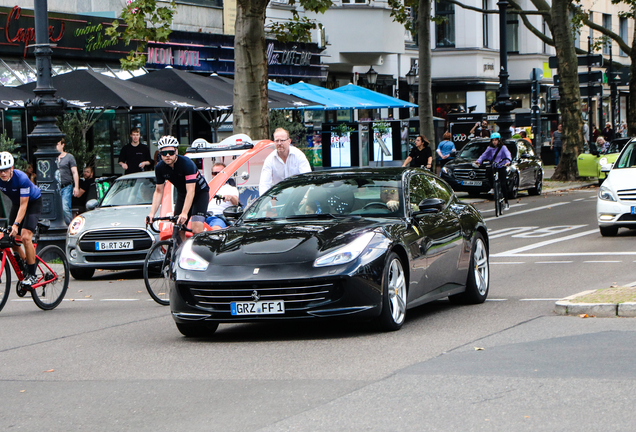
(111,359)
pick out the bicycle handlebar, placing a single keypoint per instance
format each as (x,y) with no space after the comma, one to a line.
(173,219)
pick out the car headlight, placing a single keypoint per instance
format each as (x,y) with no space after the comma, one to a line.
(606,194)
(76,225)
(447,171)
(602,161)
(346,253)
(188,260)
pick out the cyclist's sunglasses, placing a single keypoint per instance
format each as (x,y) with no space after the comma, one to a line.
(167,152)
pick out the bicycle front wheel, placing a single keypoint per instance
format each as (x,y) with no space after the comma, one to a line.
(157,271)
(5,283)
(52,273)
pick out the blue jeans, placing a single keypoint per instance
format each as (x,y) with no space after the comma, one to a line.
(557,154)
(67,197)
(213,220)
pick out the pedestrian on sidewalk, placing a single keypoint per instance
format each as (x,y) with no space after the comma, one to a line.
(68,180)
(557,144)
(134,157)
(445,150)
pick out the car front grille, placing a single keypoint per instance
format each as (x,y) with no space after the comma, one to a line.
(465,174)
(116,257)
(627,195)
(627,218)
(141,239)
(297,295)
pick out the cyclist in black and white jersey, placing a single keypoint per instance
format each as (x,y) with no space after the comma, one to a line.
(193,192)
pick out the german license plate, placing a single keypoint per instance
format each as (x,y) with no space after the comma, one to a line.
(633,209)
(471,183)
(113,245)
(258,308)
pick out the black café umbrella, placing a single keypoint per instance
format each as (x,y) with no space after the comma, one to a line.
(13,97)
(214,91)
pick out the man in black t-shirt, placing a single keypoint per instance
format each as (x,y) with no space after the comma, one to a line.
(421,155)
(193,192)
(134,157)
(84,186)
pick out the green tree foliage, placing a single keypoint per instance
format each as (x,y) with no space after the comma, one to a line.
(8,144)
(144,22)
(75,125)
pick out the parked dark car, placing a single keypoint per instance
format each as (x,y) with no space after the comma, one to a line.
(361,243)
(525,172)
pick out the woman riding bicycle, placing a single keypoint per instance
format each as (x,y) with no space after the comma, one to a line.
(499,155)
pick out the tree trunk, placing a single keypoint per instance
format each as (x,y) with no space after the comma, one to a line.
(570,103)
(424,97)
(250,70)
(631,118)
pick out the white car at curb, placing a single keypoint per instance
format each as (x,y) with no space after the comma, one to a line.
(616,202)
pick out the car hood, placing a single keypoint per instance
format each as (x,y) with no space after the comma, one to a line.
(621,178)
(280,242)
(119,217)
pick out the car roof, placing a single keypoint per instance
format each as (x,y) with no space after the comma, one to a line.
(144,174)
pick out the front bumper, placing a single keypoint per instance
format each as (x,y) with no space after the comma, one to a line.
(459,185)
(616,213)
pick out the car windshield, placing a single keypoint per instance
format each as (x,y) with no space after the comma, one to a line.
(627,159)
(132,191)
(329,198)
(474,149)
(617,145)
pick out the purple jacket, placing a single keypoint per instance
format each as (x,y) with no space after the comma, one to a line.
(504,153)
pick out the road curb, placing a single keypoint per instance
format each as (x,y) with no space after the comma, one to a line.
(601,310)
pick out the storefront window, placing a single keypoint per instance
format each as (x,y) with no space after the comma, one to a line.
(448,102)
(491,99)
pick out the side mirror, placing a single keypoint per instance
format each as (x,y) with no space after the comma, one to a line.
(233,212)
(606,168)
(91,204)
(431,205)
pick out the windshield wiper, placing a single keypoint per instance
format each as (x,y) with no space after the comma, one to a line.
(312,216)
(261,219)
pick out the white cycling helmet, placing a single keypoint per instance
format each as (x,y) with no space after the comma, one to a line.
(6,160)
(167,141)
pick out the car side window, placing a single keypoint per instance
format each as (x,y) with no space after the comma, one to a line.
(440,190)
(420,188)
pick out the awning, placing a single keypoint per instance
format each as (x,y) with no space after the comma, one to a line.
(375,97)
(330,99)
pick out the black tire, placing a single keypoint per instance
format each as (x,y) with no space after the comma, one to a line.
(197,329)
(51,265)
(538,185)
(513,191)
(394,292)
(478,281)
(600,181)
(610,231)
(157,272)
(82,273)
(5,284)
(474,194)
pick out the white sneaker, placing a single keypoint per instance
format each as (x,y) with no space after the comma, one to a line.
(29,280)
(506,206)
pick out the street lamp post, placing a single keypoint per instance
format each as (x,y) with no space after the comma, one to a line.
(46,134)
(372,77)
(411,76)
(504,105)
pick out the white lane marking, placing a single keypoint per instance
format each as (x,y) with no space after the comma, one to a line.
(553,262)
(511,206)
(493,234)
(22,300)
(506,263)
(119,300)
(563,254)
(527,211)
(602,262)
(513,252)
(78,299)
(548,231)
(496,299)
(540,299)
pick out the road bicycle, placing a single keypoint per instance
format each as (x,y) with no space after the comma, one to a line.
(52,271)
(500,199)
(158,260)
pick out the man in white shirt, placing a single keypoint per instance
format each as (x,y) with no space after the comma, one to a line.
(230,196)
(285,162)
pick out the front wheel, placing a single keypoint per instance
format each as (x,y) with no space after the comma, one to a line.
(393,294)
(52,274)
(538,185)
(478,281)
(157,271)
(5,283)
(513,191)
(609,231)
(82,273)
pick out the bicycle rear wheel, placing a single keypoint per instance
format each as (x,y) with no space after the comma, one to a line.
(157,271)
(5,284)
(52,268)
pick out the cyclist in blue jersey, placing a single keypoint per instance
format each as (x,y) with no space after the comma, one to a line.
(193,192)
(25,211)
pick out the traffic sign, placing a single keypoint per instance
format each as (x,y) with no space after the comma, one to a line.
(584,77)
(593,60)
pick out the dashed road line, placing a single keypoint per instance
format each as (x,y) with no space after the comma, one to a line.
(540,299)
(554,262)
(516,252)
(547,207)
(511,206)
(507,263)
(606,261)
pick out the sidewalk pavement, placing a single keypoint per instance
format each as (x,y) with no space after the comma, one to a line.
(569,306)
